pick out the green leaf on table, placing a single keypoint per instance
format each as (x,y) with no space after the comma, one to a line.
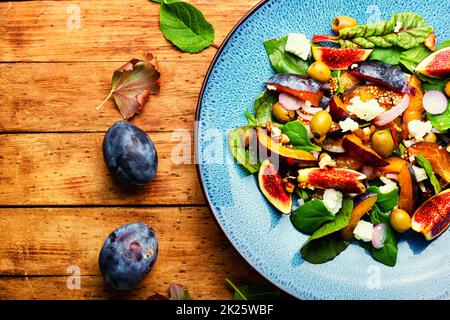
(412,57)
(440,121)
(298,136)
(253,292)
(424,163)
(325,244)
(387,55)
(311,216)
(282,61)
(385,201)
(263,107)
(243,156)
(185,26)
(177,292)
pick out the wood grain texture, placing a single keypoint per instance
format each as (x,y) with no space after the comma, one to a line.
(68,169)
(46,241)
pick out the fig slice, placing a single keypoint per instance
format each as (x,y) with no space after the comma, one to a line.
(361,205)
(436,65)
(300,87)
(358,150)
(272,187)
(340,59)
(432,218)
(345,180)
(380,73)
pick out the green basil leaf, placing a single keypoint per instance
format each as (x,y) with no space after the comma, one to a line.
(298,136)
(243,156)
(440,121)
(311,216)
(412,57)
(387,55)
(185,26)
(385,201)
(325,244)
(263,107)
(424,163)
(388,254)
(282,61)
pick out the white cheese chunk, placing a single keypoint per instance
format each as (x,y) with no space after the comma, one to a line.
(420,173)
(365,110)
(332,200)
(389,185)
(363,231)
(348,125)
(299,45)
(418,129)
(271,88)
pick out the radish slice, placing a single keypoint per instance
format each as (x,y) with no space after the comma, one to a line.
(393,113)
(290,102)
(379,235)
(435,102)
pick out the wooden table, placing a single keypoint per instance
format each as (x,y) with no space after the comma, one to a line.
(57,200)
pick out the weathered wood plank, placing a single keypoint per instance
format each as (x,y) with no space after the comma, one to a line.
(46,241)
(49,97)
(108,30)
(68,169)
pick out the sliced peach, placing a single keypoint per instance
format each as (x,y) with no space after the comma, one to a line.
(438,157)
(366,155)
(362,205)
(415,107)
(408,189)
(347,181)
(338,110)
(346,161)
(433,217)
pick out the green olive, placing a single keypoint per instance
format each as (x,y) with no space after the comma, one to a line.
(382,143)
(320,124)
(281,114)
(400,220)
(319,71)
(341,22)
(430,137)
(447,89)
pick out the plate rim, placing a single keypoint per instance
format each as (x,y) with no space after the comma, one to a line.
(197,148)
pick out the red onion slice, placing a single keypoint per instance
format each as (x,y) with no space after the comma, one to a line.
(435,102)
(379,235)
(393,113)
(290,102)
(310,109)
(305,116)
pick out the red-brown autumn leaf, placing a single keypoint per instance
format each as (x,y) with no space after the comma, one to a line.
(133,83)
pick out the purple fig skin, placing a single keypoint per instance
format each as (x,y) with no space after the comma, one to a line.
(380,73)
(295,82)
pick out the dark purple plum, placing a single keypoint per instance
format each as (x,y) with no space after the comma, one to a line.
(128,254)
(130,154)
(380,73)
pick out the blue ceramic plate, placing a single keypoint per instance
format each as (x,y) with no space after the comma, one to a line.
(265,238)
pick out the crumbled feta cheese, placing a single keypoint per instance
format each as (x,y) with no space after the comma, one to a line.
(365,110)
(332,200)
(412,158)
(349,125)
(398,27)
(299,45)
(325,161)
(389,185)
(420,173)
(363,231)
(271,87)
(308,103)
(418,129)
(409,143)
(366,131)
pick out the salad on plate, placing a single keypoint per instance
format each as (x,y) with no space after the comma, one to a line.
(350,136)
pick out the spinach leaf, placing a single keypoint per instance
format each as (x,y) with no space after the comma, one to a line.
(250,118)
(243,156)
(440,121)
(185,26)
(387,55)
(424,163)
(263,107)
(253,292)
(412,57)
(325,244)
(282,61)
(437,85)
(298,136)
(388,254)
(385,201)
(311,216)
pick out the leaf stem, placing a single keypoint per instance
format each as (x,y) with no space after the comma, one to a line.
(236,289)
(104,101)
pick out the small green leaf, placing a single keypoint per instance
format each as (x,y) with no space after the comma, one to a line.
(424,163)
(185,26)
(311,216)
(298,136)
(243,156)
(263,107)
(412,57)
(253,292)
(387,55)
(440,121)
(250,118)
(177,292)
(282,61)
(385,201)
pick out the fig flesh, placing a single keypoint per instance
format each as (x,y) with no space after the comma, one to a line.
(436,65)
(340,59)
